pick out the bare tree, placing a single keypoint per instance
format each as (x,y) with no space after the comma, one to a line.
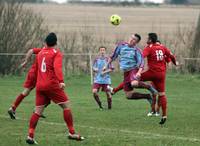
(193,66)
(20,29)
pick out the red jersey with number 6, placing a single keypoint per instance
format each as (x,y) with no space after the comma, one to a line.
(156,54)
(49,67)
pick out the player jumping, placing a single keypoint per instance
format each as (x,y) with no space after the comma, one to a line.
(157,56)
(102,77)
(155,108)
(50,86)
(132,63)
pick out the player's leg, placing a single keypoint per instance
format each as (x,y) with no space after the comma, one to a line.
(95,90)
(109,100)
(157,107)
(153,111)
(141,84)
(41,101)
(105,88)
(150,76)
(33,123)
(136,83)
(60,98)
(130,95)
(163,102)
(117,89)
(153,101)
(162,99)
(18,100)
(29,84)
(20,97)
(136,95)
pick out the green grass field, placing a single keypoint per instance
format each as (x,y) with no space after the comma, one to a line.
(125,125)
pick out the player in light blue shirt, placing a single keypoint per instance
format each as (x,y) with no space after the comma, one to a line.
(131,63)
(102,77)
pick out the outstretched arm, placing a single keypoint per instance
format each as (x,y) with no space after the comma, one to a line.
(27,57)
(29,54)
(113,57)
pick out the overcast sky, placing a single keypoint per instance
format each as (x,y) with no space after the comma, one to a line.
(156,1)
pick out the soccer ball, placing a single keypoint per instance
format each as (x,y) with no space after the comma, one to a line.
(115,19)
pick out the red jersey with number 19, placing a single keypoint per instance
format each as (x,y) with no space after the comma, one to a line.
(156,54)
(49,66)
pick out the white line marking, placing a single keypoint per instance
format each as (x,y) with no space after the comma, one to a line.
(146,135)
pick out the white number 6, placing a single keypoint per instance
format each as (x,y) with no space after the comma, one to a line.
(43,66)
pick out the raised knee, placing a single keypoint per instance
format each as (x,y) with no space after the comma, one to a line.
(39,110)
(161,93)
(94,91)
(26,92)
(134,83)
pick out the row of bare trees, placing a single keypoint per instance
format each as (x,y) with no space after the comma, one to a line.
(20,29)
(185,43)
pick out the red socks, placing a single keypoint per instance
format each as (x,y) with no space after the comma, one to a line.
(18,100)
(153,108)
(35,117)
(119,87)
(32,124)
(68,120)
(163,104)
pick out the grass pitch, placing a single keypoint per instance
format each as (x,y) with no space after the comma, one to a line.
(125,125)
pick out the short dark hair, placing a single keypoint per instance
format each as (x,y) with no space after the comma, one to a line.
(138,36)
(153,37)
(51,39)
(102,47)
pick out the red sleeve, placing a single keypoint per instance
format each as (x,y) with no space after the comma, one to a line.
(170,55)
(167,59)
(146,52)
(36,50)
(58,67)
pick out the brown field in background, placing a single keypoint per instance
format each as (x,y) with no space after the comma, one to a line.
(173,24)
(163,20)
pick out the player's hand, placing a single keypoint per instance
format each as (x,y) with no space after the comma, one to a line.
(177,63)
(104,68)
(23,64)
(138,75)
(62,86)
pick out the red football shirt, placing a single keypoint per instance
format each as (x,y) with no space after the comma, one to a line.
(156,55)
(49,69)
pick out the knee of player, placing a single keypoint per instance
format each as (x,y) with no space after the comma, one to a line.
(161,93)
(109,95)
(134,83)
(39,110)
(94,91)
(65,105)
(26,92)
(128,95)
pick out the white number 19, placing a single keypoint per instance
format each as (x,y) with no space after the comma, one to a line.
(159,55)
